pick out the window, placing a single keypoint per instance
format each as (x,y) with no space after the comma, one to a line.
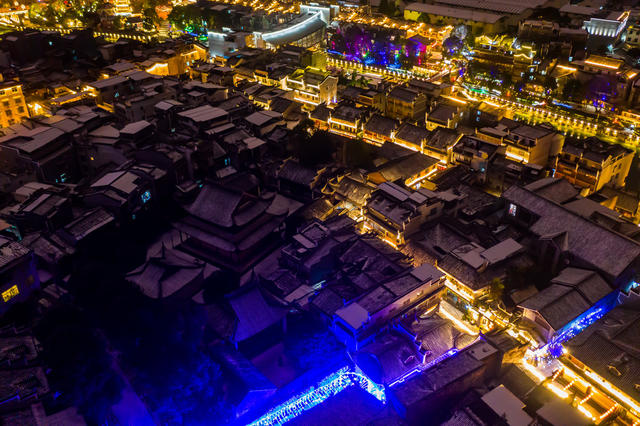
(5,103)
(14,89)
(513,209)
(10,293)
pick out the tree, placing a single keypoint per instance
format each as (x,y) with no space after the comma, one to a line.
(149,19)
(496,290)
(81,367)
(573,90)
(424,18)
(192,18)
(550,84)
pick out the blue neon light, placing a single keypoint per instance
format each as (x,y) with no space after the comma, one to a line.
(146,196)
(554,347)
(326,388)
(423,367)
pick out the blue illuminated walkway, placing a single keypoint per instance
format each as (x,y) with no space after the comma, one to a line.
(326,388)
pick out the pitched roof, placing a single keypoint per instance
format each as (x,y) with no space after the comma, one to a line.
(587,241)
(225,207)
(254,310)
(571,293)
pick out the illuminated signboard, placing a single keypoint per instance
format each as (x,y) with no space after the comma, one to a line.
(10,293)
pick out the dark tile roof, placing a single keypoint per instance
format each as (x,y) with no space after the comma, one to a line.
(411,133)
(586,240)
(255,310)
(381,125)
(611,347)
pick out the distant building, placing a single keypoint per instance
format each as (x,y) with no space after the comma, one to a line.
(312,87)
(347,120)
(524,143)
(13,108)
(474,153)
(406,104)
(443,115)
(123,7)
(379,129)
(592,163)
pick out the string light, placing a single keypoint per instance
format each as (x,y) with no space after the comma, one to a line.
(326,388)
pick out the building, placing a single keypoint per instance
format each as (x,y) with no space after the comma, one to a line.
(395,213)
(356,323)
(379,129)
(171,273)
(471,268)
(312,86)
(18,269)
(222,44)
(436,389)
(312,253)
(46,151)
(532,144)
(411,136)
(440,142)
(444,115)
(571,294)
(230,228)
(404,103)
(123,8)
(347,120)
(563,237)
(605,354)
(304,30)
(592,163)
(474,153)
(13,106)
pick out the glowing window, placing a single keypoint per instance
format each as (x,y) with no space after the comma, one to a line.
(146,196)
(10,293)
(513,209)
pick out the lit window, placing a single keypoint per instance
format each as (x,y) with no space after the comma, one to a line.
(513,209)
(10,293)
(146,196)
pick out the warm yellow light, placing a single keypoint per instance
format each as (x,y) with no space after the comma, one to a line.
(566,68)
(600,64)
(586,412)
(10,293)
(457,322)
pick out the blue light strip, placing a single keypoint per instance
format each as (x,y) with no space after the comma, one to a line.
(423,367)
(554,347)
(326,388)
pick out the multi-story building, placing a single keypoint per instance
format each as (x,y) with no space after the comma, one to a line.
(524,143)
(13,107)
(123,7)
(592,163)
(312,86)
(406,104)
(356,323)
(632,35)
(347,120)
(395,212)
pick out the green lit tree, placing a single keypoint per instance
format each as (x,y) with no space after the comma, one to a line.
(496,290)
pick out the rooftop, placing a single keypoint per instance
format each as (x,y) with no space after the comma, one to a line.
(587,241)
